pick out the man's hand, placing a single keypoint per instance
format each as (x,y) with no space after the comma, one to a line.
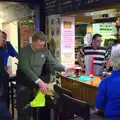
(43,87)
(70,70)
(9,70)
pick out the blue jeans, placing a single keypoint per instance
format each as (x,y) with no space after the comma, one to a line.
(4,112)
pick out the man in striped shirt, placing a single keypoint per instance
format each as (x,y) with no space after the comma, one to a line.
(99,53)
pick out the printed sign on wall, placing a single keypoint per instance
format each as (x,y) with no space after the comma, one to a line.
(67,40)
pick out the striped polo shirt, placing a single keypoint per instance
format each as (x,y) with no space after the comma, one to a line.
(100,55)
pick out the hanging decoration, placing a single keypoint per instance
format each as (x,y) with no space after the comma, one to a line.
(28,23)
(16,12)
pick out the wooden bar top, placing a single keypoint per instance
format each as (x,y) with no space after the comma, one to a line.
(85,91)
(94,83)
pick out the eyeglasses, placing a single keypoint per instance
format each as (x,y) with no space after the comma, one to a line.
(99,40)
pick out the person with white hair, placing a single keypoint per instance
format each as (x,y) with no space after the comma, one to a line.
(108,96)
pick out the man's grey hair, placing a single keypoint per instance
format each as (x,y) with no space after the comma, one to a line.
(115,56)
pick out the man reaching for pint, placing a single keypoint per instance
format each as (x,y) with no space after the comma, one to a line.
(31,61)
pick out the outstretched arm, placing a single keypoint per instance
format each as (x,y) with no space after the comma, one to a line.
(54,63)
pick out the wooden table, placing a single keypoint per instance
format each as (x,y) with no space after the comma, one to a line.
(85,91)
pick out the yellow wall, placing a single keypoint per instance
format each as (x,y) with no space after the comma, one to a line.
(12,32)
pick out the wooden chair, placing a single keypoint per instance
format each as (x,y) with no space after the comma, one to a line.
(73,106)
(58,92)
(80,109)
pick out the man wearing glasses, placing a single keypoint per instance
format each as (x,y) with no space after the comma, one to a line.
(99,53)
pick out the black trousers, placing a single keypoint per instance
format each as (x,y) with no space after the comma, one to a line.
(26,88)
(4,112)
(24,97)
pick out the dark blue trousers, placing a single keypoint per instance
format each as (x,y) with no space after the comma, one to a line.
(4,112)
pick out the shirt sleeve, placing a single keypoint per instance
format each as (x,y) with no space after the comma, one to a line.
(107,55)
(101,96)
(25,68)
(12,51)
(51,61)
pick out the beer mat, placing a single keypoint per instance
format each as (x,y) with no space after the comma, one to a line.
(71,76)
(85,79)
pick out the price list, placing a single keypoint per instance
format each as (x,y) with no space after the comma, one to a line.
(67,6)
(51,7)
(92,3)
(79,4)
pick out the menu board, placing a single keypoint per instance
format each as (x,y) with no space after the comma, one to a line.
(74,5)
(92,3)
(79,4)
(111,1)
(64,6)
(51,7)
(67,5)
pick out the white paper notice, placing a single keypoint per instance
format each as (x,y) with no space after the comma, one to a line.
(67,34)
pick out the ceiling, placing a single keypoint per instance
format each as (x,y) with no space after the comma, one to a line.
(11,11)
(4,5)
(92,16)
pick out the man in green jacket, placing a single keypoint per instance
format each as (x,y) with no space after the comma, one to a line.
(31,61)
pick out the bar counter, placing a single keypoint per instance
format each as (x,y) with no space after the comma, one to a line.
(85,91)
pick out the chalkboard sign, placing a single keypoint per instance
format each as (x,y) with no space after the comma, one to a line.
(111,2)
(92,3)
(67,6)
(51,7)
(98,3)
(79,4)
